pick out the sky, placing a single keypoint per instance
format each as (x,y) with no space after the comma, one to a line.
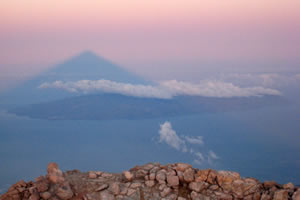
(151,37)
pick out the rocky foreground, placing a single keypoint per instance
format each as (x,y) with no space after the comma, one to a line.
(152,181)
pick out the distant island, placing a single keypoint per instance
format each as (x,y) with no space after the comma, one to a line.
(177,181)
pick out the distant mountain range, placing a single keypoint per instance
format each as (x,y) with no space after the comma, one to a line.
(115,106)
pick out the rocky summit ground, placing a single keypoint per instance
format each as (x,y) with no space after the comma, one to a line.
(151,181)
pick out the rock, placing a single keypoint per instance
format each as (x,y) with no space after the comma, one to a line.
(105,195)
(173,180)
(288,186)
(202,175)
(165,192)
(92,175)
(212,176)
(45,195)
(182,167)
(266,196)
(160,177)
(223,196)
(128,175)
(296,195)
(150,183)
(54,175)
(269,184)
(197,186)
(238,188)
(41,184)
(135,185)
(227,177)
(188,175)
(196,196)
(152,176)
(64,192)
(281,195)
(115,188)
(34,196)
(131,192)
(181,198)
(102,187)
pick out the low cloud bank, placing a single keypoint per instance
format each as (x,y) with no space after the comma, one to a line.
(186,144)
(164,90)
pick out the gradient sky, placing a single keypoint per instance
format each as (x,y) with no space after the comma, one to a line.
(147,34)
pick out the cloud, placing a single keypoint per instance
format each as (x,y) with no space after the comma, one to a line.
(163,90)
(194,140)
(186,144)
(169,136)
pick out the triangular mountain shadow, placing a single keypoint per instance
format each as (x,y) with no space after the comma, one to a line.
(85,66)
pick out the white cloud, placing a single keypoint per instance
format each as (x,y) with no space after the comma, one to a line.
(212,155)
(194,140)
(164,90)
(169,136)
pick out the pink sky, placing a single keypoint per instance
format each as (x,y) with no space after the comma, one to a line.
(138,32)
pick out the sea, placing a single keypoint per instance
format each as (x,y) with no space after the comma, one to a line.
(263,143)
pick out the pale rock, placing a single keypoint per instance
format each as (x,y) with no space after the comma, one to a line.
(182,166)
(130,192)
(115,188)
(173,180)
(106,175)
(34,196)
(152,176)
(238,188)
(106,195)
(160,176)
(223,196)
(150,183)
(188,175)
(64,192)
(128,175)
(102,187)
(181,198)
(289,186)
(135,185)
(281,195)
(296,195)
(197,186)
(165,192)
(45,195)
(202,175)
(92,175)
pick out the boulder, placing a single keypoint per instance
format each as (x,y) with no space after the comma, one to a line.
(172,180)
(188,175)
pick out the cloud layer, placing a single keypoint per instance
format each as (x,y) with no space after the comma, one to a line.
(186,144)
(164,90)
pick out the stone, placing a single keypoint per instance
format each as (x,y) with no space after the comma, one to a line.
(281,195)
(41,184)
(212,176)
(238,188)
(296,195)
(266,196)
(54,175)
(131,192)
(227,177)
(65,192)
(202,175)
(92,175)
(197,186)
(165,192)
(269,184)
(34,196)
(115,188)
(181,198)
(128,175)
(135,185)
(105,195)
(173,180)
(160,176)
(223,196)
(102,187)
(150,183)
(182,167)
(152,176)
(288,186)
(188,175)
(45,195)
(52,167)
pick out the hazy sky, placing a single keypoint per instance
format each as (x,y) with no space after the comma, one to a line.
(146,34)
